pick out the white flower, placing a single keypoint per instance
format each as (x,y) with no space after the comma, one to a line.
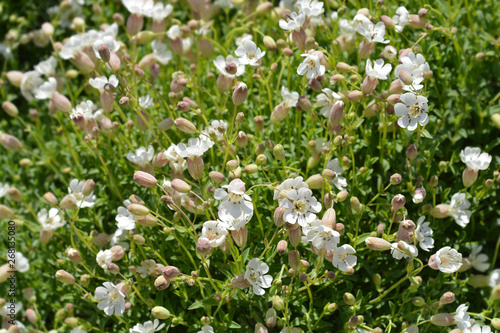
(347,30)
(100,81)
(147,268)
(220,64)
(146,102)
(174,32)
(310,7)
(416,66)
(255,275)
(401,18)
(293,21)
(474,159)
(423,234)
(462,318)
(290,98)
(379,70)
(4,311)
(311,66)
(288,185)
(103,258)
(448,260)
(47,67)
(477,329)
(373,33)
(30,83)
(339,182)
(107,40)
(206,329)
(235,201)
(479,260)
(161,11)
(76,196)
(494,278)
(398,254)
(86,110)
(139,7)
(141,156)
(195,147)
(249,53)
(4,188)
(343,257)
(217,127)
(111,299)
(50,220)
(47,89)
(147,327)
(175,160)
(236,223)
(322,236)
(301,206)
(419,195)
(120,238)
(22,264)
(126,220)
(160,52)
(412,110)
(215,232)
(326,101)
(239,40)
(361,19)
(459,209)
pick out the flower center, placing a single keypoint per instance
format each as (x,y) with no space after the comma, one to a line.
(445,261)
(311,63)
(235,198)
(415,110)
(300,206)
(114,296)
(79,196)
(211,235)
(250,55)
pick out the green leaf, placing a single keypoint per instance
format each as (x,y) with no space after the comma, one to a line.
(425,133)
(196,305)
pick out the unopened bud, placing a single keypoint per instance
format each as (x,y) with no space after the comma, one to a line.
(443,319)
(65,277)
(185,125)
(378,244)
(349,299)
(145,179)
(160,313)
(10,109)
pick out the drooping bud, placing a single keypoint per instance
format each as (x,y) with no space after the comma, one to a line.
(405,77)
(295,236)
(349,299)
(65,277)
(315,182)
(282,247)
(145,179)
(185,125)
(271,317)
(138,210)
(469,176)
(396,179)
(336,114)
(240,236)
(240,93)
(160,313)
(203,246)
(278,216)
(443,319)
(10,142)
(440,211)
(294,259)
(378,244)
(10,109)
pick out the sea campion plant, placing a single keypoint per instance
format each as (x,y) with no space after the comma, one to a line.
(250,166)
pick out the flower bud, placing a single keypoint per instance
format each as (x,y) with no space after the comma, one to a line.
(239,281)
(240,93)
(277,302)
(355,204)
(278,216)
(389,52)
(195,167)
(240,236)
(389,23)
(104,52)
(447,298)
(203,246)
(440,211)
(349,299)
(73,255)
(405,77)
(279,113)
(315,85)
(396,87)
(10,142)
(368,85)
(171,272)
(6,213)
(138,239)
(294,259)
(315,182)
(411,152)
(398,202)
(10,109)
(185,125)
(66,203)
(271,317)
(355,95)
(165,124)
(282,247)
(160,313)
(295,236)
(469,176)
(88,187)
(113,268)
(299,38)
(378,244)
(15,194)
(269,43)
(395,179)
(261,159)
(138,210)
(365,49)
(329,218)
(342,195)
(15,78)
(336,114)
(443,319)
(65,277)
(145,179)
